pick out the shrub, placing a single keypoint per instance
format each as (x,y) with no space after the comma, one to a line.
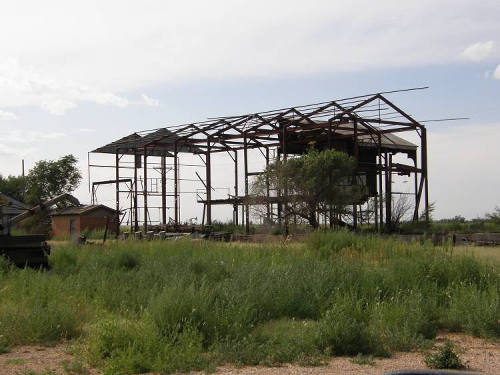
(344,329)
(445,357)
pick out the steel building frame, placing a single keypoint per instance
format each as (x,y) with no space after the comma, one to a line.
(365,121)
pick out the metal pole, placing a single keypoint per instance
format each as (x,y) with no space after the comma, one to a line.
(235,207)
(425,173)
(268,207)
(356,160)
(415,213)
(380,184)
(176,186)
(285,187)
(117,193)
(145,190)
(247,212)
(163,190)
(388,191)
(136,213)
(209,186)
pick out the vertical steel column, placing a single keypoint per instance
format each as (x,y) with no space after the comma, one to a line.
(388,191)
(235,207)
(268,205)
(117,192)
(415,213)
(278,192)
(380,166)
(425,172)
(163,190)
(330,209)
(285,187)
(176,186)
(136,213)
(145,192)
(356,160)
(208,185)
(247,212)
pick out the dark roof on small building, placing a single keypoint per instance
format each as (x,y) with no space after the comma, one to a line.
(11,206)
(80,210)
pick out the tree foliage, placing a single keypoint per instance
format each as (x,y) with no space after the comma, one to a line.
(13,186)
(316,182)
(49,178)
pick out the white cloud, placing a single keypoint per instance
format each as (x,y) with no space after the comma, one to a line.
(151,102)
(479,51)
(496,74)
(87,130)
(22,142)
(4,115)
(25,85)
(69,52)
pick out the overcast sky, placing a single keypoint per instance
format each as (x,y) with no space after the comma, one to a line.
(76,75)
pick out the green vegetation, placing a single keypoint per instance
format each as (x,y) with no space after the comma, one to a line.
(74,368)
(445,357)
(317,183)
(364,360)
(185,305)
(14,361)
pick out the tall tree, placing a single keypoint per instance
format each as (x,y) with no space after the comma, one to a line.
(49,178)
(316,182)
(13,186)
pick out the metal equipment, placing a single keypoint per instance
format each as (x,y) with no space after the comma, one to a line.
(29,250)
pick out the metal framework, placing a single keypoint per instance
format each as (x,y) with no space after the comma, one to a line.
(365,126)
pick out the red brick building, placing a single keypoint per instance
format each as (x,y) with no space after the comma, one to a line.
(72,221)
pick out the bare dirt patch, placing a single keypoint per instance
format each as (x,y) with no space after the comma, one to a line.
(23,359)
(479,355)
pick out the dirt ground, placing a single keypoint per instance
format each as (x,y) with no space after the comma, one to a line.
(479,355)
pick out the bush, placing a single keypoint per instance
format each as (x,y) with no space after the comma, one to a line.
(164,306)
(345,330)
(130,347)
(445,357)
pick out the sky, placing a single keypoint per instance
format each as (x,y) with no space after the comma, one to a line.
(76,75)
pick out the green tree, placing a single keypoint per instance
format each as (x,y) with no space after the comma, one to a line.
(316,182)
(13,186)
(49,178)
(494,216)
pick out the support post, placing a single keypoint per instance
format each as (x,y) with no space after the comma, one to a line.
(380,185)
(415,212)
(136,213)
(268,207)
(208,185)
(176,186)
(145,190)
(425,173)
(163,190)
(388,191)
(117,193)
(247,212)
(356,160)
(285,185)
(235,207)
(330,209)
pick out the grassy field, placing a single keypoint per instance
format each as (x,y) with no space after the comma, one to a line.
(133,307)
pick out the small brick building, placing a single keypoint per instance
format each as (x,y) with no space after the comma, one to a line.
(72,221)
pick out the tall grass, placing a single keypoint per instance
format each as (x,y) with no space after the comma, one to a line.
(186,305)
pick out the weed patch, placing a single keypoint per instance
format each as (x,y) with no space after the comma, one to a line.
(445,357)
(182,306)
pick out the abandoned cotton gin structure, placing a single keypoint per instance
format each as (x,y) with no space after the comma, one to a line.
(370,128)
